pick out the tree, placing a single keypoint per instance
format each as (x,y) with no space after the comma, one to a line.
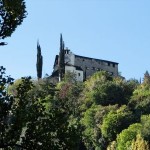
(12,89)
(12,111)
(102,89)
(115,122)
(68,97)
(145,121)
(127,86)
(52,123)
(61,59)
(39,63)
(112,146)
(37,118)
(91,132)
(146,80)
(92,121)
(139,144)
(12,13)
(124,139)
(140,100)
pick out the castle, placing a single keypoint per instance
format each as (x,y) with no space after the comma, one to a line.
(82,66)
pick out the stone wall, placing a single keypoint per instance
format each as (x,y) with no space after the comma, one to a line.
(86,66)
(78,73)
(90,66)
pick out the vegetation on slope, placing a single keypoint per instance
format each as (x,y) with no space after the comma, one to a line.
(102,113)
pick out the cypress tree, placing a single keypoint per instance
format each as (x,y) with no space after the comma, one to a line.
(61,62)
(39,63)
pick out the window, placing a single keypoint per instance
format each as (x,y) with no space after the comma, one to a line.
(108,63)
(93,68)
(79,74)
(114,65)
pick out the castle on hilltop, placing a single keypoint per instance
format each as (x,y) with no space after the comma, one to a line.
(82,66)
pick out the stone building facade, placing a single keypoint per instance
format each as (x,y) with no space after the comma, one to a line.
(83,66)
(92,65)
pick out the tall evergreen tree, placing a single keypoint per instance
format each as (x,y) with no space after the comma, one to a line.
(39,63)
(146,78)
(61,62)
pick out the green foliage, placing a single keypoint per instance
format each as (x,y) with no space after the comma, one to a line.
(6,102)
(124,139)
(49,129)
(12,89)
(127,87)
(136,136)
(104,115)
(115,122)
(92,121)
(145,121)
(52,123)
(42,121)
(91,132)
(61,59)
(74,115)
(146,80)
(14,111)
(12,13)
(140,101)
(107,93)
(97,78)
(139,144)
(70,77)
(112,146)
(102,89)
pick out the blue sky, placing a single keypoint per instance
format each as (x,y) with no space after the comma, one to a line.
(114,30)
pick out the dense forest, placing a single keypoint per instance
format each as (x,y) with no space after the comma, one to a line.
(104,112)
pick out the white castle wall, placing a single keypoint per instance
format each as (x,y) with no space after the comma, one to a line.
(78,73)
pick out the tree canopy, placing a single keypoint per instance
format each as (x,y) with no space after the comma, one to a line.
(39,115)
(12,13)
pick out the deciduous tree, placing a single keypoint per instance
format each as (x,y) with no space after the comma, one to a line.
(12,13)
(124,139)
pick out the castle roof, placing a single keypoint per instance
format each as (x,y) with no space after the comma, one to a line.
(83,57)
